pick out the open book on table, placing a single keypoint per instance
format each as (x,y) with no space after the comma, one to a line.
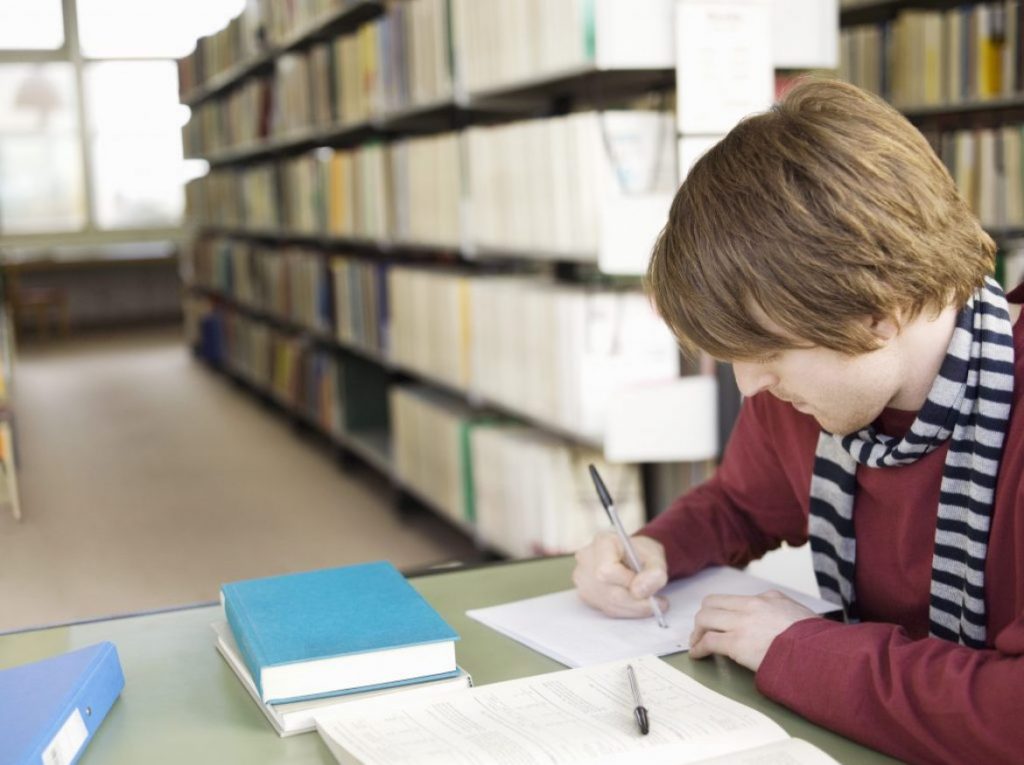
(571,717)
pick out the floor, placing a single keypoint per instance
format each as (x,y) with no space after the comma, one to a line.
(147,481)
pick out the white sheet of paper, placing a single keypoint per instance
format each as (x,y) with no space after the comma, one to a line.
(563,627)
(570,718)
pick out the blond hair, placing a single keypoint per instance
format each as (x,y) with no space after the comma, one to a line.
(829,208)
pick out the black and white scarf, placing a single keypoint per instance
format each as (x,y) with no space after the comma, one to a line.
(969,404)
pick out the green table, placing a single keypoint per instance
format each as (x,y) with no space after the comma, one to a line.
(182,704)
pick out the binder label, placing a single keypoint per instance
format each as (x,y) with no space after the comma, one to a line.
(68,741)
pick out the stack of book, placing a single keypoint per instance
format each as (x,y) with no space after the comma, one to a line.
(499,43)
(431,436)
(430,322)
(361,303)
(542,185)
(987,165)
(425,193)
(559,353)
(533,494)
(239,41)
(304,644)
(945,56)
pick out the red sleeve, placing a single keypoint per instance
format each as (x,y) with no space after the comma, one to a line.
(748,508)
(924,700)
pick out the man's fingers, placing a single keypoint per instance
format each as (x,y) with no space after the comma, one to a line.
(607,547)
(711,642)
(648,582)
(717,619)
(729,602)
(622,604)
(741,602)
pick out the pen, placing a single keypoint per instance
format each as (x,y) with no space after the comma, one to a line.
(634,562)
(640,712)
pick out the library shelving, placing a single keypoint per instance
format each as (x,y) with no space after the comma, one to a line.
(8,468)
(422,234)
(956,70)
(243,48)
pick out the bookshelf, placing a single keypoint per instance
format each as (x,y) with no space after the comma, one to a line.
(8,470)
(321,20)
(404,265)
(956,70)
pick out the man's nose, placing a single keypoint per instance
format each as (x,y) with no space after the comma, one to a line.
(752,378)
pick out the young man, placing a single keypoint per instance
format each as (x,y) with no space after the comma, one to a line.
(824,250)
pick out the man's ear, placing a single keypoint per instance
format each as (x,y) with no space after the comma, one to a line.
(885,328)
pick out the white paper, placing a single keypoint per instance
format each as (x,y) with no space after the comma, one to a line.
(569,717)
(564,628)
(723,63)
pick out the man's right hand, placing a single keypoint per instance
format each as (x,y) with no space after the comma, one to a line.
(605,581)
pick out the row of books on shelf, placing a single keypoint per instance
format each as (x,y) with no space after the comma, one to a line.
(422,51)
(332,83)
(528,491)
(988,167)
(500,42)
(8,469)
(523,492)
(926,57)
(554,352)
(261,26)
(540,185)
(1011,263)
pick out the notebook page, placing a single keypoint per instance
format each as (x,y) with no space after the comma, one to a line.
(564,628)
(563,718)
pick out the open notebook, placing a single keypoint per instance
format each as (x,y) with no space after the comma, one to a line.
(570,717)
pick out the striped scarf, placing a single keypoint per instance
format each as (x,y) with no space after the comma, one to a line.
(969,404)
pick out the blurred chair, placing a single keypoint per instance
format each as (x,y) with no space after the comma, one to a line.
(46,307)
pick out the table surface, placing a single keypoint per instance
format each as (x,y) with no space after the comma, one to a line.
(182,704)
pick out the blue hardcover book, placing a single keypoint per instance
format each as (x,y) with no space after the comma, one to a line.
(50,709)
(321,633)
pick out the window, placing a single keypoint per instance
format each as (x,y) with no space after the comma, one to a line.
(90,124)
(165,29)
(31,25)
(135,141)
(41,180)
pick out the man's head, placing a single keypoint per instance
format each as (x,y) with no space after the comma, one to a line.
(806,240)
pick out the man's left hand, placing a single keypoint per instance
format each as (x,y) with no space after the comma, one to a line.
(743,627)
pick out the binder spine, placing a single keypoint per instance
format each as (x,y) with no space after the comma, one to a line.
(86,710)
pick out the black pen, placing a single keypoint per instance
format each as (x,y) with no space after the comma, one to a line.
(634,561)
(640,712)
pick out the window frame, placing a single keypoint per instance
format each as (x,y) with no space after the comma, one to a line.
(91,233)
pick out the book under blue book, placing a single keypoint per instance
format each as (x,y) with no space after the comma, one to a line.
(320,633)
(50,709)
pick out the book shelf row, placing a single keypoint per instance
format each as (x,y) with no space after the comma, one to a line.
(330,84)
(515,489)
(988,167)
(8,468)
(545,186)
(418,52)
(262,31)
(939,57)
(555,352)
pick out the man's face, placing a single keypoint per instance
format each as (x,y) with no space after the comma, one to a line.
(843,393)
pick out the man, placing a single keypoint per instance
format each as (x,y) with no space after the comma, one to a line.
(824,250)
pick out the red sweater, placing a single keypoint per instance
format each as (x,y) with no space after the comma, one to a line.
(882,682)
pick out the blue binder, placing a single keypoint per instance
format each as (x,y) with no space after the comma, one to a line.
(50,709)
